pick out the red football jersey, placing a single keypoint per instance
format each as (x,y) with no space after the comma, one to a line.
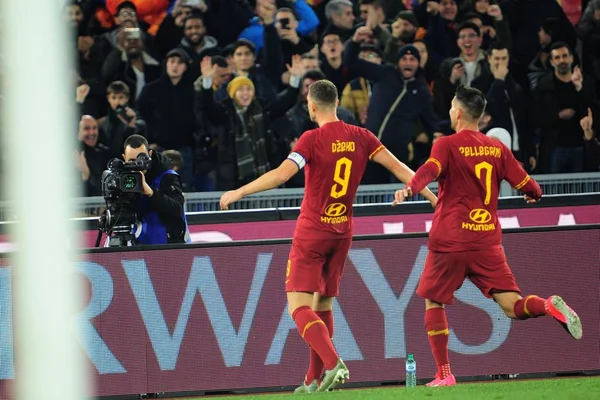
(335,157)
(469,167)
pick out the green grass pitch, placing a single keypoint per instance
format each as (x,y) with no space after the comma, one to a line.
(541,389)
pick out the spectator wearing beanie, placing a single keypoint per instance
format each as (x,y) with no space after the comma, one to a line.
(248,146)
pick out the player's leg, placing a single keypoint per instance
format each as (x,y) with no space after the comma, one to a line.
(323,306)
(312,328)
(532,306)
(303,279)
(332,275)
(492,275)
(442,276)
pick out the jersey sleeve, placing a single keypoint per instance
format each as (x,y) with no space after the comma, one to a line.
(373,145)
(302,152)
(433,167)
(518,178)
(439,155)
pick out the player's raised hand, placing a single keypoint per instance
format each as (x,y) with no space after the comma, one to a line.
(229,198)
(402,195)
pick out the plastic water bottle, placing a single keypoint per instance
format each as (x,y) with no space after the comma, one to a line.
(411,371)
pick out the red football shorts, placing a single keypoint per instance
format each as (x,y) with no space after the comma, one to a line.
(445,273)
(316,265)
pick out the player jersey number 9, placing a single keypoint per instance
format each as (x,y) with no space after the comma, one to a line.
(485,168)
(341,177)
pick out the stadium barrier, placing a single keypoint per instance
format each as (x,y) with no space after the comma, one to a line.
(563,184)
(370,219)
(212,317)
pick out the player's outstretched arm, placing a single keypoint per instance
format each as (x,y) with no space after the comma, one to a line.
(270,180)
(519,179)
(401,171)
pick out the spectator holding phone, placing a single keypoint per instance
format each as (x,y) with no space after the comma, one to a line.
(306,22)
(291,42)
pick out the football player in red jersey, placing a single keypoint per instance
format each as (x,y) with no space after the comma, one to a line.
(335,156)
(465,238)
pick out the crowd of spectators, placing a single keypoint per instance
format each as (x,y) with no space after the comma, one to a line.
(221,85)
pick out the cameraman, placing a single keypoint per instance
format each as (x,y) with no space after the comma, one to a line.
(160,208)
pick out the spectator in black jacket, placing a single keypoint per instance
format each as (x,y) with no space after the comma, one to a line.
(133,66)
(332,65)
(591,144)
(401,106)
(560,101)
(470,68)
(340,18)
(247,144)
(92,157)
(89,58)
(167,106)
(509,107)
(291,42)
(441,21)
(526,18)
(170,31)
(226,19)
(126,17)
(197,43)
(588,31)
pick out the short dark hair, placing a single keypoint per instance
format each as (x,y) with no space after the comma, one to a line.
(72,3)
(118,87)
(324,93)
(314,75)
(135,141)
(243,42)
(287,10)
(471,15)
(560,45)
(309,56)
(374,3)
(126,4)
(498,45)
(174,156)
(228,50)
(220,61)
(371,48)
(194,15)
(472,101)
(468,25)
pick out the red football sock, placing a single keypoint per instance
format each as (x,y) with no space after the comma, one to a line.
(315,367)
(316,335)
(437,331)
(530,307)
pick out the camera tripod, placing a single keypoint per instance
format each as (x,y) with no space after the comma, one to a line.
(119,235)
